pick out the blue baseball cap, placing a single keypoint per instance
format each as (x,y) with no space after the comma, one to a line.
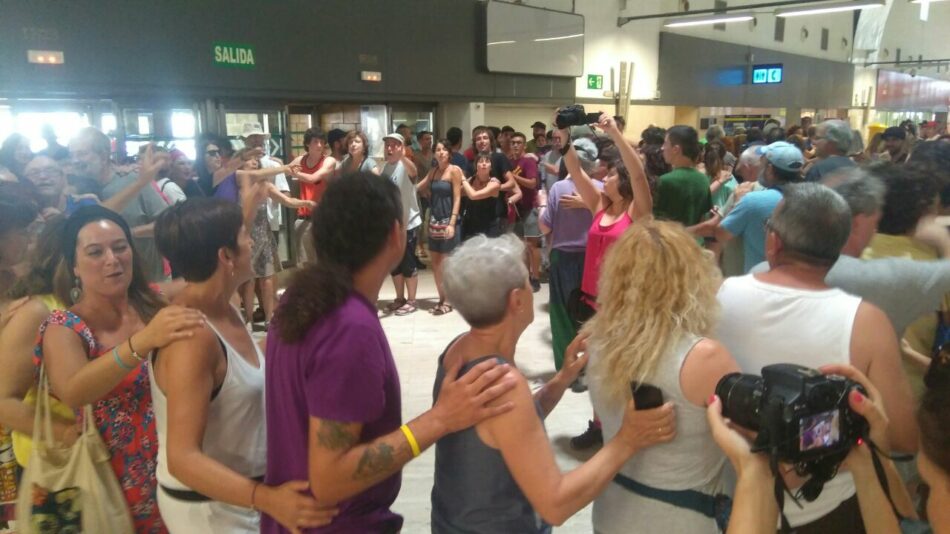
(782,155)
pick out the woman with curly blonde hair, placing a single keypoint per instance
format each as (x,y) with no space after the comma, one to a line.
(656,307)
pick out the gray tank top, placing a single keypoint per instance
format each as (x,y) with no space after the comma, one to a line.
(474,493)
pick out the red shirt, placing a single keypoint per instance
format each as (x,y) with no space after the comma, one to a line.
(309,191)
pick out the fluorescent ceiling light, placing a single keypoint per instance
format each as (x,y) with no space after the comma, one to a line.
(931,1)
(501,42)
(559,37)
(705,21)
(834,7)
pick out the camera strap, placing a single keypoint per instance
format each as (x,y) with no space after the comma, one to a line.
(881,475)
(780,490)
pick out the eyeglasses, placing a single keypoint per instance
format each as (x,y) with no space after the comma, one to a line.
(213,153)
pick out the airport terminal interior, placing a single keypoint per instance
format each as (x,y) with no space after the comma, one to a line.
(475,266)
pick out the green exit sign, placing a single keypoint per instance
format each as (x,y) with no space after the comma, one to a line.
(595,81)
(233,55)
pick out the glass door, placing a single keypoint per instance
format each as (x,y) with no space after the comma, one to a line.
(169,128)
(236,122)
(61,119)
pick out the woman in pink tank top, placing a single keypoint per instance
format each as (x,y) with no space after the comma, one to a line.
(626,197)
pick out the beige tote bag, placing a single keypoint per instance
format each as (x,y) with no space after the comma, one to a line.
(67,490)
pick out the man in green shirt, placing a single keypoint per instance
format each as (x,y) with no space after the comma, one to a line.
(682,194)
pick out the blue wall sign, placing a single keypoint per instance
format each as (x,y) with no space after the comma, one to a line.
(767,74)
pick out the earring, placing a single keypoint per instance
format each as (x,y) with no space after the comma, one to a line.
(76,292)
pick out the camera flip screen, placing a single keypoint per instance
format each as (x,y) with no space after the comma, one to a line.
(819,430)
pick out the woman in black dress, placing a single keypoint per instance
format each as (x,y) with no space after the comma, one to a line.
(479,206)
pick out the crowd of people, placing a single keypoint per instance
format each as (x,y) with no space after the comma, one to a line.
(129,294)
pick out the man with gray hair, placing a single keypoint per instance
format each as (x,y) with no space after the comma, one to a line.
(833,140)
(791,314)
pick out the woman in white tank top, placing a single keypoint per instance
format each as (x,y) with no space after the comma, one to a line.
(656,304)
(208,389)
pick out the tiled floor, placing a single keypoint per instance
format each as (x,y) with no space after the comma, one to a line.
(418,339)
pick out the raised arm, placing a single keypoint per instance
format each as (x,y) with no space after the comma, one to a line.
(583,183)
(186,373)
(150,165)
(642,205)
(77,380)
(235,163)
(291,202)
(325,172)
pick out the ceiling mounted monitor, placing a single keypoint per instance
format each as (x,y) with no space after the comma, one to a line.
(530,40)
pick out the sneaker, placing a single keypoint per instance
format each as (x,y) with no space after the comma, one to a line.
(535,285)
(591,437)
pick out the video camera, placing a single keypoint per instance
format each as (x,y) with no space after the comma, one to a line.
(574,116)
(802,418)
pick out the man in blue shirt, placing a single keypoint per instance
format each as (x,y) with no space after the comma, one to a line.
(782,164)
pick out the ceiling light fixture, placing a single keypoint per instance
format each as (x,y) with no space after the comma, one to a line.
(835,7)
(559,37)
(706,21)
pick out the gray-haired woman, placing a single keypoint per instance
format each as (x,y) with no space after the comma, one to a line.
(500,475)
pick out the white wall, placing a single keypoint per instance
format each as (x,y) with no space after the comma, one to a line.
(762,34)
(606,45)
(906,31)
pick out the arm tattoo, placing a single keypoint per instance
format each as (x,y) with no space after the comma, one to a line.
(375,461)
(333,436)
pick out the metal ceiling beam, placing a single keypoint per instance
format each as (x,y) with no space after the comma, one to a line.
(621,21)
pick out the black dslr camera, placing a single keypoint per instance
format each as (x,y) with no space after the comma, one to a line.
(802,418)
(574,116)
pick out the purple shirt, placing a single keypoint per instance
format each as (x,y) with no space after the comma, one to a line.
(568,226)
(342,371)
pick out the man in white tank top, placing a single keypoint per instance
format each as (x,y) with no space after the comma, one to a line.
(790,315)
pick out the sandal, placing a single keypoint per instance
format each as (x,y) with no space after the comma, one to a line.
(406,309)
(395,305)
(441,309)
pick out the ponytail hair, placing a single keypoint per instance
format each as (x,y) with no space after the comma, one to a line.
(351,226)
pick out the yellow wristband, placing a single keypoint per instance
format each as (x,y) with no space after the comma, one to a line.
(413,444)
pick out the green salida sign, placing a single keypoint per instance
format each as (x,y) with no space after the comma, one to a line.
(233,55)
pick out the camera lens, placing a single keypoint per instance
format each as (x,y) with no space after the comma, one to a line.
(741,398)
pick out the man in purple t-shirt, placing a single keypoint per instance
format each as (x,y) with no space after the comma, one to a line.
(525,171)
(332,389)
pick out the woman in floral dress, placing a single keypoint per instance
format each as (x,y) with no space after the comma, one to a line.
(95,351)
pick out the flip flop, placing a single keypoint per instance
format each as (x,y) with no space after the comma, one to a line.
(395,305)
(406,309)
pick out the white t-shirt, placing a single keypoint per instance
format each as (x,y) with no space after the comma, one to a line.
(274,211)
(172,192)
(407,192)
(764,324)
